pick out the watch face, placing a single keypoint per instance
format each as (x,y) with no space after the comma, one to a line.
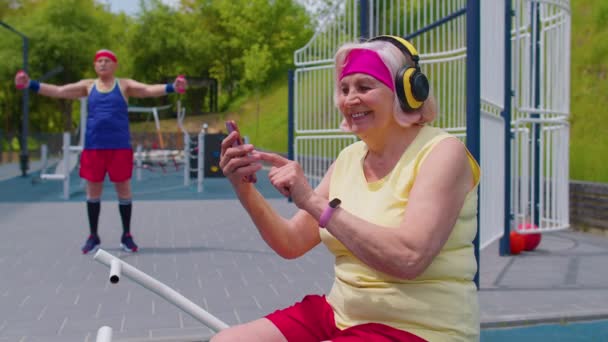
(334,203)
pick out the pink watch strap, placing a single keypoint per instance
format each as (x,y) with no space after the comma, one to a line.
(326,215)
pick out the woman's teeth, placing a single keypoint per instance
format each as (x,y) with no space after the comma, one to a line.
(359,115)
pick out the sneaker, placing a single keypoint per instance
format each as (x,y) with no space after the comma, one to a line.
(127,243)
(91,244)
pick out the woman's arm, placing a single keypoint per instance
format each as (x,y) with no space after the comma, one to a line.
(290,238)
(435,201)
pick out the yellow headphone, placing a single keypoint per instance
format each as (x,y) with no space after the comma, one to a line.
(412,86)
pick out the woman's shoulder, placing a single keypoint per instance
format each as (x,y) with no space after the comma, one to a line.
(354,149)
(448,147)
(431,136)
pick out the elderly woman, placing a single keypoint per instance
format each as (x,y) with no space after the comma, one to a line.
(397,209)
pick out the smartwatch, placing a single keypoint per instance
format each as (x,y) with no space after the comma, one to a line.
(326,215)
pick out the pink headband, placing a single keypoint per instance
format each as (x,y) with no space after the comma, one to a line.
(367,62)
(105,53)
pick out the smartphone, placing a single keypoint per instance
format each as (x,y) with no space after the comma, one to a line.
(231,127)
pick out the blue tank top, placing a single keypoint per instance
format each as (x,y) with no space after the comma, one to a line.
(107,120)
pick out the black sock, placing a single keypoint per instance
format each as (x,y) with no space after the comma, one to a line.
(93,209)
(125,207)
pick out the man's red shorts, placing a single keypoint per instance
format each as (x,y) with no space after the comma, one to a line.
(312,320)
(117,163)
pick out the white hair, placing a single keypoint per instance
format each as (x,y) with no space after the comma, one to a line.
(394,60)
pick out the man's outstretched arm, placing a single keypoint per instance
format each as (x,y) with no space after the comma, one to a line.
(140,90)
(68,91)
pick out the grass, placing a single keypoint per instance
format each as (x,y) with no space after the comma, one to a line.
(589,91)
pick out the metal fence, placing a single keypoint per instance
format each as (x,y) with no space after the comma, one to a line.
(524,88)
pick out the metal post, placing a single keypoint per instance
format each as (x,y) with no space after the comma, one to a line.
(83,120)
(24,155)
(290,114)
(473,97)
(44,152)
(536,54)
(186,159)
(364,23)
(504,247)
(201,158)
(66,165)
(104,334)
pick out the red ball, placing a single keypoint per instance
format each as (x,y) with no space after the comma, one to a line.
(517,242)
(531,240)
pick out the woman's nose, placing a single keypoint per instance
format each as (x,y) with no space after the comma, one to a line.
(352,98)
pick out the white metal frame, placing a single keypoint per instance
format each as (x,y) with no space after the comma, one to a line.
(70,154)
(544,109)
(118,268)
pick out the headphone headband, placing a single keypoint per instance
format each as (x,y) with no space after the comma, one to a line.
(406,47)
(411,85)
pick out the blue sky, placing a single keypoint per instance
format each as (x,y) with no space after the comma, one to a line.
(130,7)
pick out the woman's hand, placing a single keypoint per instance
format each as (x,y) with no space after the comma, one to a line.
(288,178)
(239,163)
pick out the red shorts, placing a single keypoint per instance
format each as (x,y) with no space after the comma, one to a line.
(117,163)
(312,320)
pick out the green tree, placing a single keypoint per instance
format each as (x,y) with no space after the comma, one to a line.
(244,44)
(61,33)
(158,45)
(11,47)
(235,26)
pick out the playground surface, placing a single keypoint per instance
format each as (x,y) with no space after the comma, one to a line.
(203,245)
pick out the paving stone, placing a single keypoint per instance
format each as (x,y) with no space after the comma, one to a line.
(210,252)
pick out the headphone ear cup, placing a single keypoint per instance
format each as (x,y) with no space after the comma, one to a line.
(400,89)
(411,87)
(420,86)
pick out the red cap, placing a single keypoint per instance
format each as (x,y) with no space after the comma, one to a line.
(105,53)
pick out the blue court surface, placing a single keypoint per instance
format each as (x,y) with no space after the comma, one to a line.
(154,185)
(594,331)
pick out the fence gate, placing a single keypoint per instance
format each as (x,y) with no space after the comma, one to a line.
(540,144)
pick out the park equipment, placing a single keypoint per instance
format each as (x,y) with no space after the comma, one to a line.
(118,268)
(70,154)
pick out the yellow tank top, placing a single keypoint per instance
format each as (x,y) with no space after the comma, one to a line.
(439,305)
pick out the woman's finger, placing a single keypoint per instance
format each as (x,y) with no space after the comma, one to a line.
(236,152)
(274,159)
(234,164)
